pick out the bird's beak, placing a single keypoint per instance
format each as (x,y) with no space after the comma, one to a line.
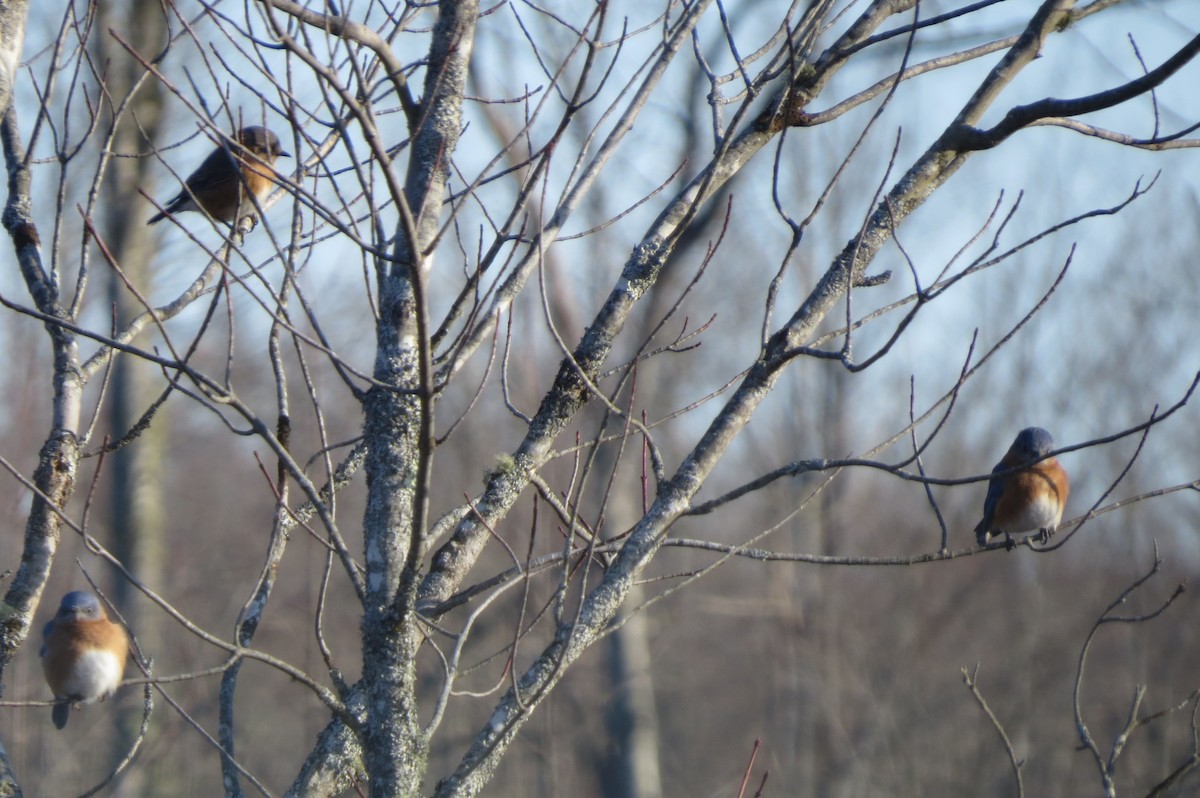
(284,154)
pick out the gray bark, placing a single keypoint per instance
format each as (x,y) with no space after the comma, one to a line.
(54,479)
(398,427)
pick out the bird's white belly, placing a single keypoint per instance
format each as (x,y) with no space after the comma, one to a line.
(1040,514)
(96,675)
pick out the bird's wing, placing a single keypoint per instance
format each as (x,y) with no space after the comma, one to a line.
(218,168)
(212,174)
(46,630)
(995,489)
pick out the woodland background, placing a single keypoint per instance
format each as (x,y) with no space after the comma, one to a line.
(848,675)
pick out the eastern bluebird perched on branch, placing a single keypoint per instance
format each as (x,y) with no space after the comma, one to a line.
(83,654)
(228,176)
(1025,500)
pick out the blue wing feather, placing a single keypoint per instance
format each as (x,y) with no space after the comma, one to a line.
(46,630)
(995,489)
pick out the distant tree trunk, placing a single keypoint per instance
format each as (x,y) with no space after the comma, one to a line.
(136,517)
(633,716)
(632,763)
(827,629)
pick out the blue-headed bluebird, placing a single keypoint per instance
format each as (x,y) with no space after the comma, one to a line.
(83,654)
(228,176)
(1025,500)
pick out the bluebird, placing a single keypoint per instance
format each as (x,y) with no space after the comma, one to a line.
(228,176)
(1025,500)
(83,654)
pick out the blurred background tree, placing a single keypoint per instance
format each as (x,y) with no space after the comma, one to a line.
(520,446)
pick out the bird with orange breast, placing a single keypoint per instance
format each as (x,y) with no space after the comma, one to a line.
(1028,499)
(83,654)
(222,186)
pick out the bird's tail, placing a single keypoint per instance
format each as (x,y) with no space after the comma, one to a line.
(62,711)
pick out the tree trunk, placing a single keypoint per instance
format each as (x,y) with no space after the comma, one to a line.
(633,717)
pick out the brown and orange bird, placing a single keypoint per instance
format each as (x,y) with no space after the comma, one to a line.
(83,654)
(228,177)
(1032,498)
